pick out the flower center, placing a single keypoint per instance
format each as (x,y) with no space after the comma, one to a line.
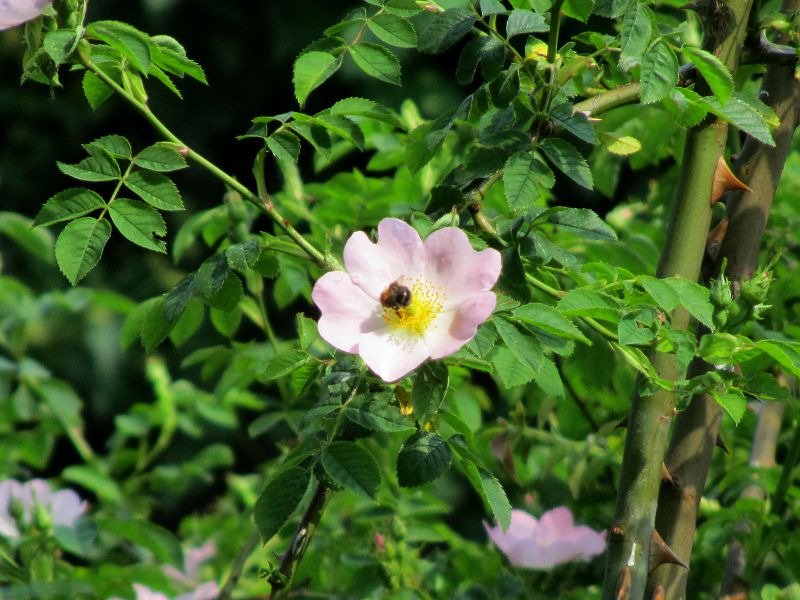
(425,304)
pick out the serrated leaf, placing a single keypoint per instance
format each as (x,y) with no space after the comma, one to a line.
(68,204)
(575,123)
(154,326)
(278,501)
(227,297)
(694,298)
(429,389)
(566,158)
(523,346)
(549,320)
(659,72)
(211,275)
(95,90)
(352,467)
(243,255)
(445,29)
(588,303)
(284,145)
(115,145)
(284,363)
(59,44)
(504,88)
(80,246)
(510,369)
(311,70)
(786,354)
(580,10)
(377,61)
(361,107)
(662,292)
(378,415)
(635,35)
(393,30)
(522,176)
(492,7)
(129,41)
(582,221)
(487,51)
(97,167)
(170,56)
(525,21)
(744,116)
(155,189)
(161,156)
(713,70)
(423,457)
(733,401)
(139,222)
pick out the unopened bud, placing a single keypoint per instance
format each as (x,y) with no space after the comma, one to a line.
(754,290)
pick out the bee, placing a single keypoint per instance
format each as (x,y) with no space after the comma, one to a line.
(395,296)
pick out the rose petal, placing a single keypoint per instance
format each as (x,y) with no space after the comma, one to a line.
(16,12)
(145,593)
(397,253)
(452,329)
(207,591)
(389,355)
(66,507)
(10,488)
(453,265)
(346,311)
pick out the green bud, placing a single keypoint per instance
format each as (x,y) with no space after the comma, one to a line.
(399,530)
(41,518)
(720,317)
(721,295)
(754,290)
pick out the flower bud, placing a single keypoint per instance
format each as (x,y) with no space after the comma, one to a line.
(41,518)
(721,295)
(754,290)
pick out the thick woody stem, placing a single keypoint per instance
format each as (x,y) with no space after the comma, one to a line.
(696,428)
(627,560)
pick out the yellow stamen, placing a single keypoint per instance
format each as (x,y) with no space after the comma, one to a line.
(427,302)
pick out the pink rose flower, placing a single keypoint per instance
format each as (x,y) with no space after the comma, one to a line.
(63,506)
(402,301)
(16,12)
(551,540)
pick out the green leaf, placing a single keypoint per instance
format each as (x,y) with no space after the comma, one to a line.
(504,88)
(226,322)
(279,500)
(492,7)
(155,189)
(510,369)
(155,326)
(377,61)
(686,106)
(80,246)
(361,107)
(549,320)
(169,55)
(588,303)
(718,348)
(349,465)
(311,70)
(549,379)
(634,329)
(161,542)
(786,354)
(522,176)
(487,51)
(568,160)
(284,145)
(115,145)
(379,414)
(575,123)
(659,72)
(423,457)
(60,44)
(243,256)
(284,363)
(139,222)
(93,478)
(525,21)
(580,10)
(744,115)
(635,35)
(393,30)
(161,156)
(662,292)
(37,242)
(694,298)
(428,392)
(68,204)
(581,221)
(713,70)
(733,401)
(129,41)
(95,90)
(445,29)
(228,296)
(97,167)
(211,275)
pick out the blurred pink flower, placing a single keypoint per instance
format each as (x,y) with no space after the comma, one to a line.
(551,540)
(16,12)
(402,301)
(63,506)
(190,576)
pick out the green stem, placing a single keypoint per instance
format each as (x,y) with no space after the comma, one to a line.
(605,101)
(627,557)
(326,262)
(555,26)
(238,566)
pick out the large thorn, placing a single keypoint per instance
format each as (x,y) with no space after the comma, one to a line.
(724,181)
(661,554)
(667,477)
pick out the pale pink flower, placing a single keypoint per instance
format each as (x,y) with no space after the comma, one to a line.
(190,576)
(402,301)
(16,12)
(63,506)
(551,540)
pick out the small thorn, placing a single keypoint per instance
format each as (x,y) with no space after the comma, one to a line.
(720,443)
(661,554)
(715,237)
(667,477)
(624,584)
(724,181)
(659,593)
(623,424)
